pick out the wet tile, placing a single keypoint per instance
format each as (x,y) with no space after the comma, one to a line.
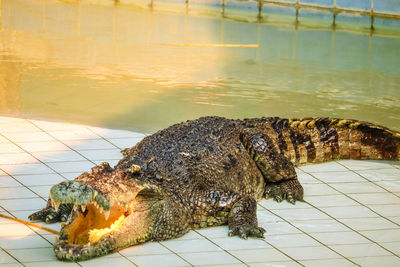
(194,245)
(16,158)
(102,154)
(308,253)
(292,240)
(151,248)
(123,143)
(323,167)
(381,174)
(237,243)
(278,228)
(29,136)
(338,177)
(364,187)
(107,261)
(301,214)
(387,261)
(340,238)
(112,133)
(318,190)
(43,146)
(155,260)
(374,223)
(33,254)
(89,144)
(39,179)
(320,226)
(360,250)
(387,235)
(16,192)
(392,186)
(18,242)
(328,263)
(50,264)
(331,201)
(81,134)
(376,198)
(349,212)
(31,168)
(8,181)
(9,148)
(22,204)
(71,166)
(58,156)
(5,258)
(386,210)
(259,255)
(394,247)
(209,258)
(366,164)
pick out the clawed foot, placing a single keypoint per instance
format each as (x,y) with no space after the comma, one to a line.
(290,190)
(244,231)
(52,214)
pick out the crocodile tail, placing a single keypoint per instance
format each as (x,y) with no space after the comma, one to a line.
(312,140)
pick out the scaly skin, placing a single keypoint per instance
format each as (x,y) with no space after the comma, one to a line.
(210,171)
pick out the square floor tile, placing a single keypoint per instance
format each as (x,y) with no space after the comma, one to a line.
(108,261)
(392,186)
(339,177)
(22,204)
(123,143)
(8,181)
(237,243)
(366,164)
(340,238)
(381,174)
(39,179)
(113,133)
(387,261)
(364,187)
(306,178)
(326,167)
(16,192)
(259,255)
(71,166)
(24,241)
(373,223)
(301,214)
(328,263)
(194,245)
(102,154)
(16,158)
(320,226)
(58,156)
(318,190)
(388,235)
(309,253)
(349,212)
(81,134)
(5,258)
(28,136)
(151,248)
(89,144)
(292,240)
(10,148)
(43,146)
(360,250)
(376,198)
(31,168)
(278,228)
(386,210)
(331,201)
(209,258)
(54,263)
(155,260)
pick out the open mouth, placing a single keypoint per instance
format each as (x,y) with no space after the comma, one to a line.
(90,223)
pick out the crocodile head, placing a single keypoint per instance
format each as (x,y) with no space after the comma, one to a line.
(112,210)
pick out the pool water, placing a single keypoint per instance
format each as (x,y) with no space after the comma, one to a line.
(103,65)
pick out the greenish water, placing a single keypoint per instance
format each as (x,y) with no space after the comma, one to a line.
(100,65)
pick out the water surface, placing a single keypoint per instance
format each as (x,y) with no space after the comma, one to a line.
(100,65)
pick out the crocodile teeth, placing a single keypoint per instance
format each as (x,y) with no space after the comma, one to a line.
(101,210)
(75,208)
(106,214)
(83,208)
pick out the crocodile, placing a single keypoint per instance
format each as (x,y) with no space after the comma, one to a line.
(200,173)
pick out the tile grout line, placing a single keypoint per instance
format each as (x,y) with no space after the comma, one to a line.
(173,252)
(309,235)
(228,251)
(9,254)
(367,179)
(361,204)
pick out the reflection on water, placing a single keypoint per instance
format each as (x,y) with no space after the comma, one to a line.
(98,64)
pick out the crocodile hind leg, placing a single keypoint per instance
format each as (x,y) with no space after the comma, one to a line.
(278,171)
(242,219)
(51,215)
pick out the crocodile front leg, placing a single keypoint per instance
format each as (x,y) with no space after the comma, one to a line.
(242,219)
(278,171)
(52,214)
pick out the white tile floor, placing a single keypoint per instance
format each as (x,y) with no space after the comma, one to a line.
(351,215)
